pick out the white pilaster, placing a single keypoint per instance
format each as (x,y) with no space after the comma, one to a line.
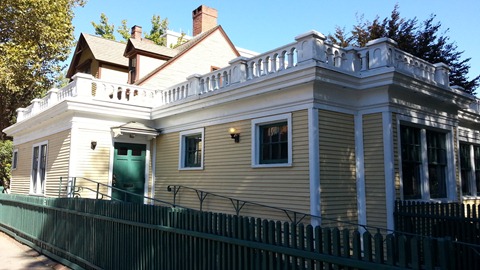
(314,165)
(389,167)
(360,168)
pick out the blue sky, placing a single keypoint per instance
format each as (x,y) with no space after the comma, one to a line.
(263,25)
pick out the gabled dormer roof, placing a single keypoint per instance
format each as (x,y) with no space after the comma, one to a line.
(147,47)
(186,47)
(103,50)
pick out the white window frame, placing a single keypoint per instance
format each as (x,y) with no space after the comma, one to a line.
(256,124)
(42,185)
(471,173)
(14,159)
(181,152)
(425,188)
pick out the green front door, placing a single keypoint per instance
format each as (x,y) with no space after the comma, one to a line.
(129,172)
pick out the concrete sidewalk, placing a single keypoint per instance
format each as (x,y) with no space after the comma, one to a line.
(15,255)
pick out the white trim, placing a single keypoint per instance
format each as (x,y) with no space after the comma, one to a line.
(424,186)
(181,147)
(360,175)
(110,167)
(450,175)
(72,163)
(314,166)
(255,125)
(39,144)
(154,167)
(147,170)
(389,168)
(227,118)
(451,170)
(14,159)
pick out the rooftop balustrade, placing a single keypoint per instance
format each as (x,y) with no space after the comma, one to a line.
(310,48)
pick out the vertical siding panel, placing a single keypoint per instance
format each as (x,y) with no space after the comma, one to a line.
(374,170)
(337,167)
(227,171)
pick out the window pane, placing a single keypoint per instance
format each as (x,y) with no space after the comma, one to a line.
(193,150)
(35,157)
(465,169)
(122,151)
(437,164)
(136,152)
(476,158)
(411,162)
(274,143)
(15,160)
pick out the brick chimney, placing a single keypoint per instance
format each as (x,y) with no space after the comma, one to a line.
(136,32)
(204,18)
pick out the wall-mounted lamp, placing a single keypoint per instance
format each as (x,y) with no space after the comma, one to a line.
(93,145)
(234,134)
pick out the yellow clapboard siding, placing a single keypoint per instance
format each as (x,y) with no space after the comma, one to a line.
(374,170)
(227,170)
(58,155)
(337,166)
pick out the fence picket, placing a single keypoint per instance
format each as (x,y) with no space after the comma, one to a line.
(115,235)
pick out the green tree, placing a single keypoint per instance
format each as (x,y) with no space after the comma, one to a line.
(35,39)
(104,29)
(181,40)
(6,148)
(424,40)
(159,28)
(123,30)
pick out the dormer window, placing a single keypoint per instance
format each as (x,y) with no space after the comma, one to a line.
(132,70)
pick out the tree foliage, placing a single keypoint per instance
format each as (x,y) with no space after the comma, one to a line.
(156,34)
(159,28)
(422,39)
(6,148)
(104,29)
(35,39)
(123,30)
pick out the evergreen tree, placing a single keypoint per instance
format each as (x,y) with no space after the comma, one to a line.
(159,28)
(123,30)
(104,29)
(423,40)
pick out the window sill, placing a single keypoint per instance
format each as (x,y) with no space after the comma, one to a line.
(471,197)
(36,194)
(191,169)
(275,165)
(436,200)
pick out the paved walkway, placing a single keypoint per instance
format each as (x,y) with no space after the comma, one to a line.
(15,256)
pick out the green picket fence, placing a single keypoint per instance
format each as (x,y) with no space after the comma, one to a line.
(99,234)
(459,222)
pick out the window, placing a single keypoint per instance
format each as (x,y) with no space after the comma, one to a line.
(15,159)
(470,169)
(39,168)
(424,163)
(272,142)
(191,150)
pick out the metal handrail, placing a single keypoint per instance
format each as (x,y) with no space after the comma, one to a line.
(294,216)
(73,190)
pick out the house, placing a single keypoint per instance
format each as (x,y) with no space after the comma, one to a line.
(334,132)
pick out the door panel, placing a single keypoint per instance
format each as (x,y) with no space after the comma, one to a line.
(129,171)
